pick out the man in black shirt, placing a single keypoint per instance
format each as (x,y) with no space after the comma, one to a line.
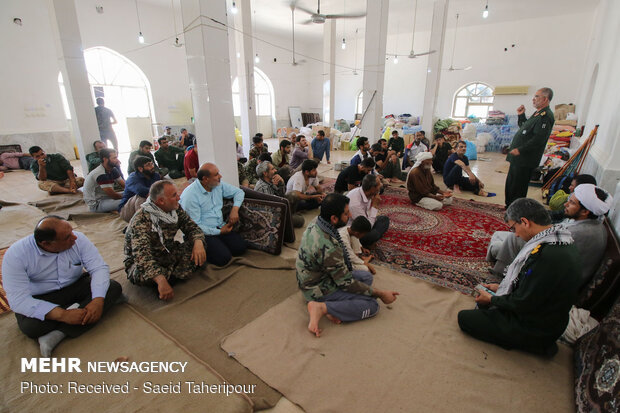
(441,150)
(352,176)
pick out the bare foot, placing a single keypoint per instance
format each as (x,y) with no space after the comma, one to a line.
(456,189)
(482,192)
(333,319)
(316,311)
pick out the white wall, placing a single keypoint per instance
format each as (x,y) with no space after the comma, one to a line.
(548,52)
(30,95)
(599,100)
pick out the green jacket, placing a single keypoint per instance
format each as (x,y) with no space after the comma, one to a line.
(56,167)
(169,158)
(538,306)
(321,269)
(134,155)
(93,160)
(532,137)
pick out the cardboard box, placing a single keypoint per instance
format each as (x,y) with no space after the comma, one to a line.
(286,132)
(345,146)
(316,129)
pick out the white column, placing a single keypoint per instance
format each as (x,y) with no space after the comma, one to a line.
(374,67)
(208,66)
(329,72)
(433,70)
(245,71)
(73,68)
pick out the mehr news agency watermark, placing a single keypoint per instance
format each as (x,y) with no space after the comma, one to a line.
(74,365)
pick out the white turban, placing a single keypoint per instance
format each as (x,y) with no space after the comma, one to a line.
(421,157)
(586,194)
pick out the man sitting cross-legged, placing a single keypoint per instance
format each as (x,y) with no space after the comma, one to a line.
(453,173)
(47,289)
(530,309)
(583,214)
(306,187)
(351,177)
(137,187)
(171,158)
(152,256)
(203,201)
(421,185)
(99,193)
(144,149)
(54,172)
(325,274)
(271,183)
(364,202)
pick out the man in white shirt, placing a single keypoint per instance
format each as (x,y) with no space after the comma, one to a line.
(364,202)
(306,187)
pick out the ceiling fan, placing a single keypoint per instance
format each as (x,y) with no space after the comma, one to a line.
(452,68)
(295,62)
(412,54)
(321,18)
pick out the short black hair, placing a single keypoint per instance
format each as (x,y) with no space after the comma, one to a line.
(381,140)
(257,139)
(439,136)
(100,101)
(299,138)
(260,135)
(321,132)
(361,141)
(140,161)
(585,179)
(285,143)
(361,225)
(145,143)
(183,129)
(394,132)
(333,205)
(265,156)
(308,165)
(34,149)
(422,132)
(160,140)
(460,143)
(95,144)
(45,234)
(376,147)
(106,153)
(368,163)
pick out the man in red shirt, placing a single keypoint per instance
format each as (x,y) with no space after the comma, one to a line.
(190,162)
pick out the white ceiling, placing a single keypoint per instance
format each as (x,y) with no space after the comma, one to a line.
(274,16)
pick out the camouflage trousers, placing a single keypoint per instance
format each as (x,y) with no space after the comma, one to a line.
(178,264)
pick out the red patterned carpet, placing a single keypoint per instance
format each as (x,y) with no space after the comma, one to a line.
(446,247)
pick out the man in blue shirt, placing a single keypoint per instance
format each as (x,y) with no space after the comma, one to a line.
(364,147)
(137,186)
(46,288)
(320,147)
(203,201)
(453,173)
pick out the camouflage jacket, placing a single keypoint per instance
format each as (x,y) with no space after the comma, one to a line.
(321,269)
(250,171)
(255,151)
(142,244)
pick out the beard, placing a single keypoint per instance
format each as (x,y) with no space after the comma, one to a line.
(147,173)
(340,224)
(427,167)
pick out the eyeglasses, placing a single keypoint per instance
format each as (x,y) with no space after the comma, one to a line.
(512,227)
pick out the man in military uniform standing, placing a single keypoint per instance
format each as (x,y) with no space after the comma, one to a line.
(528,145)
(152,256)
(325,274)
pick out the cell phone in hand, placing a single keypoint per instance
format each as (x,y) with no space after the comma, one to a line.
(481,287)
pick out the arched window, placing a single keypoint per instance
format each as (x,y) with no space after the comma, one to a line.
(126,90)
(473,99)
(263,95)
(359,103)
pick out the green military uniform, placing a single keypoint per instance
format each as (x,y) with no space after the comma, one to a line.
(172,159)
(321,269)
(241,172)
(535,314)
(146,257)
(530,140)
(93,160)
(132,157)
(255,151)
(56,166)
(250,171)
